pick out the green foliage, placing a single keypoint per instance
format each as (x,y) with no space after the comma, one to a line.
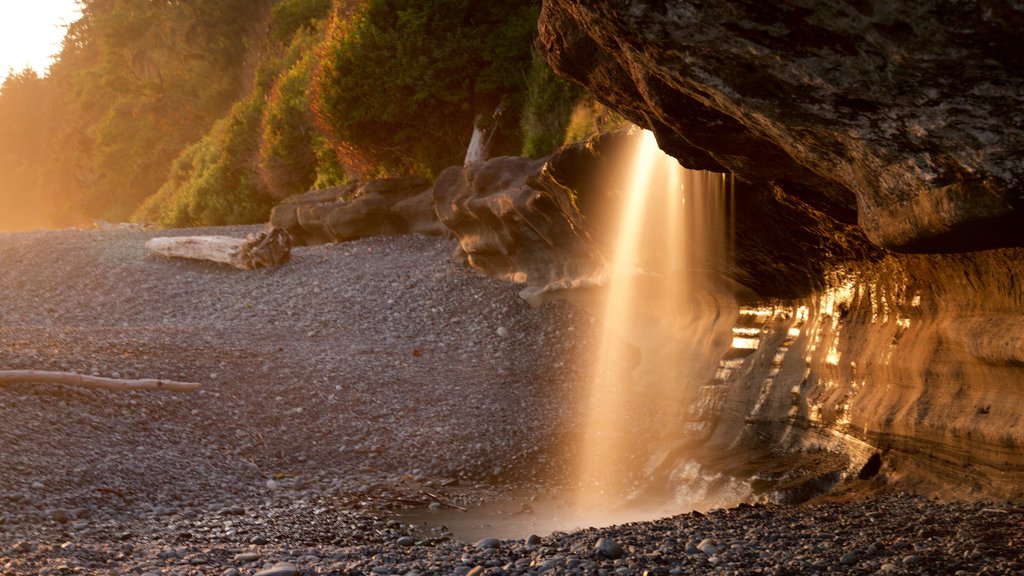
(266,149)
(329,171)
(214,182)
(208,109)
(288,162)
(550,101)
(160,73)
(401,81)
(290,16)
(590,117)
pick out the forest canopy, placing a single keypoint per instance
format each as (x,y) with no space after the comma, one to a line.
(207,112)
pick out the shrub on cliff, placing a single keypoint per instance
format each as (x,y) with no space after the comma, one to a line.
(550,101)
(287,160)
(288,17)
(401,81)
(215,182)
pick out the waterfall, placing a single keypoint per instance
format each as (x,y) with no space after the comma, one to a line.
(477,149)
(661,316)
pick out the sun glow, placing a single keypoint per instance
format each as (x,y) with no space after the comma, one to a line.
(31,33)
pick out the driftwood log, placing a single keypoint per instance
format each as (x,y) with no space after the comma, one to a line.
(271,248)
(72,379)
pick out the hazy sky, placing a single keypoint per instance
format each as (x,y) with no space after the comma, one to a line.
(31,31)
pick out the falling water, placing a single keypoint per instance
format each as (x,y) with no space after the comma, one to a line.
(476,151)
(667,321)
(660,319)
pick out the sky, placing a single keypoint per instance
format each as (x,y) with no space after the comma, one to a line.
(31,31)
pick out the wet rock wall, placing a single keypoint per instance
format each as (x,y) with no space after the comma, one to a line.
(916,358)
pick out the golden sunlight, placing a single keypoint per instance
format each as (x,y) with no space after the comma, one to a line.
(31,33)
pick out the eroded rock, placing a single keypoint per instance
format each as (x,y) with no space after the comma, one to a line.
(514,221)
(909,114)
(375,208)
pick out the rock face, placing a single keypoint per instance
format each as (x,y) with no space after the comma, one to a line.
(375,208)
(916,358)
(908,113)
(550,224)
(859,133)
(532,221)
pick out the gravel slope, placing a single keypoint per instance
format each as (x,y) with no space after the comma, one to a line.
(354,378)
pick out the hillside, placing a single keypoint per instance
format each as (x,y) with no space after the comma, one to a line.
(186,114)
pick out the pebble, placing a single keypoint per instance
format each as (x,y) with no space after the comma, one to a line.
(199,456)
(608,548)
(279,569)
(707,546)
(488,543)
(247,557)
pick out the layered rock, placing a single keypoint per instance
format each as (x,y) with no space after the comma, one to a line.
(846,124)
(908,113)
(374,208)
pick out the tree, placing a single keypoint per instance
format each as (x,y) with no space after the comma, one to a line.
(23,143)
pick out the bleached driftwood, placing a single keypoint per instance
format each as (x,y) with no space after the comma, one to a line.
(72,379)
(271,248)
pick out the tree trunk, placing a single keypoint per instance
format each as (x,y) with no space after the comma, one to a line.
(72,379)
(271,248)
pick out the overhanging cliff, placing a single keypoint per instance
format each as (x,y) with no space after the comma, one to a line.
(907,113)
(859,132)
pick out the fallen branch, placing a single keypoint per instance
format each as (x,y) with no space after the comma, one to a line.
(115,492)
(72,379)
(265,249)
(442,501)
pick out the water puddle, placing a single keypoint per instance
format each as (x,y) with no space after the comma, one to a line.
(520,515)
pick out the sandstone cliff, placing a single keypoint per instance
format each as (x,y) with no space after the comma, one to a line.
(857,131)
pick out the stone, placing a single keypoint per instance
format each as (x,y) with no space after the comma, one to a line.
(488,543)
(62,516)
(247,557)
(405,541)
(279,569)
(708,546)
(608,548)
(848,559)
